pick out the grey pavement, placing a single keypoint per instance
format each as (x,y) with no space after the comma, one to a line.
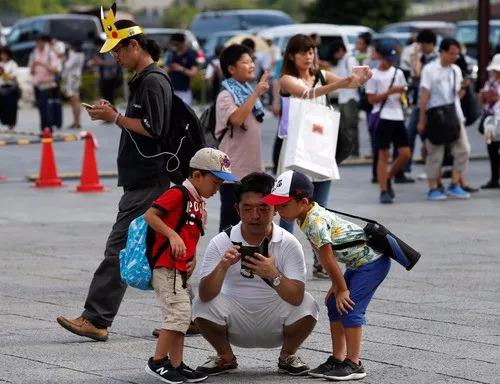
(436,324)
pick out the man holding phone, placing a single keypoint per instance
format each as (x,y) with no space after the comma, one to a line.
(143,179)
(267,310)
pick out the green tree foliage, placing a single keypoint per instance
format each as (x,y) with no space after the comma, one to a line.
(40,7)
(179,16)
(217,5)
(372,13)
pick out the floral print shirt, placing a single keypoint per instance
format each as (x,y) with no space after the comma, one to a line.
(324,227)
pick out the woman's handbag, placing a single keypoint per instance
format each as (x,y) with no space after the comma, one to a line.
(443,125)
(312,139)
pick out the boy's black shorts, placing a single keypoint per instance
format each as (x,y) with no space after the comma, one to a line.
(391,131)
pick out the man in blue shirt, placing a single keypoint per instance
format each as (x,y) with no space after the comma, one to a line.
(180,63)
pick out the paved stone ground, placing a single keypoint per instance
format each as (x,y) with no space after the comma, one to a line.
(435,324)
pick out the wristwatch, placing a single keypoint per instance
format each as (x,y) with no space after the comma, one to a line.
(277,280)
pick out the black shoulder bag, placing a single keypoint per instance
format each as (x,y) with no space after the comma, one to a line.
(384,241)
(443,126)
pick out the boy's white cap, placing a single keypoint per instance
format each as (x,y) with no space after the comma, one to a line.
(289,185)
(215,161)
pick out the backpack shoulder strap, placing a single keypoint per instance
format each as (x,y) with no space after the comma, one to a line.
(182,221)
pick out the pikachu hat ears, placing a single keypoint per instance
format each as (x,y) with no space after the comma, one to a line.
(115,32)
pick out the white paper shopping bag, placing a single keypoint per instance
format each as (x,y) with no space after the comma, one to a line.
(312,139)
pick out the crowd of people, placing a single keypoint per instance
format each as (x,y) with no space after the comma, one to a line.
(252,290)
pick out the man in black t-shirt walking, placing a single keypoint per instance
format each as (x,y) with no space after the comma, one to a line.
(147,117)
(180,63)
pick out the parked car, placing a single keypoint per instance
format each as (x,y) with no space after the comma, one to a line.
(162,37)
(352,32)
(218,39)
(439,27)
(467,31)
(69,29)
(208,23)
(328,32)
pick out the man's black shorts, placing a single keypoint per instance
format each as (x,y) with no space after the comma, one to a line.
(391,131)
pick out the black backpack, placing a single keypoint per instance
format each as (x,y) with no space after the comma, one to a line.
(185,137)
(207,120)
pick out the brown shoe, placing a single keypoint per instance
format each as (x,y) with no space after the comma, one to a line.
(83,327)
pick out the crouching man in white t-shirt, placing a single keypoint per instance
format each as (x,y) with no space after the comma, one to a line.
(249,312)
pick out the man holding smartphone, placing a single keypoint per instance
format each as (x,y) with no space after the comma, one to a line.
(268,310)
(143,179)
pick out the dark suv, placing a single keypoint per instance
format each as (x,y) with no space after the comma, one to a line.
(70,29)
(207,23)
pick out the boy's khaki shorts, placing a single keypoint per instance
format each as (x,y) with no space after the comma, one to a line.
(176,308)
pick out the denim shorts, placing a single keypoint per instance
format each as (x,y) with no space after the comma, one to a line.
(362,283)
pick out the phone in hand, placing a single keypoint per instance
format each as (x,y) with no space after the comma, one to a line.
(247,252)
(87,106)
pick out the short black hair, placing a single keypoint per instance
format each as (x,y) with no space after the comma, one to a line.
(230,56)
(178,37)
(257,182)
(426,36)
(147,44)
(446,44)
(336,46)
(249,43)
(6,50)
(193,170)
(366,36)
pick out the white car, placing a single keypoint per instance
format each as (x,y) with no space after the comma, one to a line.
(328,33)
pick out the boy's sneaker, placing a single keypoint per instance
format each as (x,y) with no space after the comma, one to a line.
(293,365)
(436,195)
(165,372)
(215,366)
(385,198)
(457,192)
(190,374)
(327,366)
(347,370)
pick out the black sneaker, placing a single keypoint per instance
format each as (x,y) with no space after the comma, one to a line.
(165,372)
(215,366)
(293,365)
(327,366)
(403,179)
(347,370)
(390,191)
(190,374)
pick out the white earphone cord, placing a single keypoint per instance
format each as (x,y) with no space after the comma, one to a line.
(173,156)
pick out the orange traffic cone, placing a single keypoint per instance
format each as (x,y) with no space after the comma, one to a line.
(47,177)
(89,180)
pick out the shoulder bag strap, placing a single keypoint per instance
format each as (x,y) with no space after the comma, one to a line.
(390,85)
(323,82)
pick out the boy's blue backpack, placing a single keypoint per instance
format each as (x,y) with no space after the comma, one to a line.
(136,261)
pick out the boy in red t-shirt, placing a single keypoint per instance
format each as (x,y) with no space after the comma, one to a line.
(209,168)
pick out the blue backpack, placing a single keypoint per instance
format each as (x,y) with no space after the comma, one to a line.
(136,261)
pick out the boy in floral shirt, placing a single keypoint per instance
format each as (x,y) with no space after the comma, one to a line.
(335,240)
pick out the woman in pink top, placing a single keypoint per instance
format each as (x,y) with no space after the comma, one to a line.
(44,65)
(239,115)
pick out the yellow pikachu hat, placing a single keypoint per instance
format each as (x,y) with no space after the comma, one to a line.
(116,31)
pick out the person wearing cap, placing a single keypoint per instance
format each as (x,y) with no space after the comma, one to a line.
(440,85)
(384,91)
(334,240)
(268,310)
(208,169)
(489,96)
(147,117)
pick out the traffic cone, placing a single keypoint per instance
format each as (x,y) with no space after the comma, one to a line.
(47,177)
(89,179)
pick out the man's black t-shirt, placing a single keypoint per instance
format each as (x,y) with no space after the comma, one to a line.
(151,101)
(187,59)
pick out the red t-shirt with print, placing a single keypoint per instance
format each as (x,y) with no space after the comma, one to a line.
(171,204)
